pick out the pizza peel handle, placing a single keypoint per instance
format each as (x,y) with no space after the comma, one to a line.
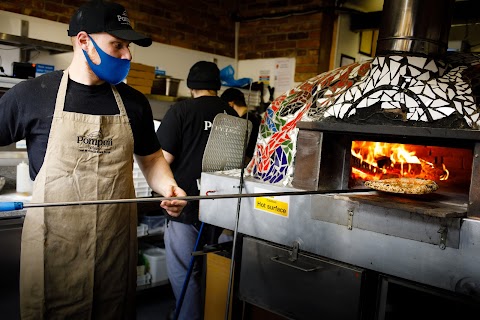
(10,206)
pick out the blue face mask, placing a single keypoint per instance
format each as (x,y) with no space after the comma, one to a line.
(112,70)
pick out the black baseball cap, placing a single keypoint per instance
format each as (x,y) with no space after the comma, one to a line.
(99,16)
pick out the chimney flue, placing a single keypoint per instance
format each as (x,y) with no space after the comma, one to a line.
(415,26)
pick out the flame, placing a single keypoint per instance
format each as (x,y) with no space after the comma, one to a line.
(446,174)
(380,160)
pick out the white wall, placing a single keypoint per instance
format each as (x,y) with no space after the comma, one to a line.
(38,28)
(7,56)
(347,41)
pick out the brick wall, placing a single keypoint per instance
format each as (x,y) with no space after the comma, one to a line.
(209,26)
(288,28)
(191,24)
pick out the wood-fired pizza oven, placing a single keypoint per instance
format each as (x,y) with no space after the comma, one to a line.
(415,101)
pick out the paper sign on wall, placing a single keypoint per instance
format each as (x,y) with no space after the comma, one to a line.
(264,77)
(283,75)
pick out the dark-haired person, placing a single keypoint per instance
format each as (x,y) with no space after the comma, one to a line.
(183,136)
(236,99)
(82,127)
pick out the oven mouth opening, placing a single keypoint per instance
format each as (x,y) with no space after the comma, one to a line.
(450,168)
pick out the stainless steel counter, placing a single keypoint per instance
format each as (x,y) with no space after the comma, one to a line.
(351,232)
(12,158)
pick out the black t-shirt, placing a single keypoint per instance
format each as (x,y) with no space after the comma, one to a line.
(184,133)
(26,112)
(252,142)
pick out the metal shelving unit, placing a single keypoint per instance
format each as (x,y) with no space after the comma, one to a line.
(27,44)
(152,239)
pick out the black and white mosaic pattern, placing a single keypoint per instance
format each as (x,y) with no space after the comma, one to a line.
(427,89)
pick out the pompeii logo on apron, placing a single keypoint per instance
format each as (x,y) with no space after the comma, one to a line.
(94,143)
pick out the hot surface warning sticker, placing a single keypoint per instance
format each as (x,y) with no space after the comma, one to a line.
(274,205)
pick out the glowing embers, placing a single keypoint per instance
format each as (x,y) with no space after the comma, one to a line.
(379,160)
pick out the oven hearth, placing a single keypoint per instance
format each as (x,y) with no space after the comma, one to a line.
(449,167)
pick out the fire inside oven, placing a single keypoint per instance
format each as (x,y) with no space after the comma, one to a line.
(450,168)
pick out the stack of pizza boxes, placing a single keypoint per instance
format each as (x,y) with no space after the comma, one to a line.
(141,77)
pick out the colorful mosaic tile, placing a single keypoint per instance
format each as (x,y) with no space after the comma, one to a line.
(422,88)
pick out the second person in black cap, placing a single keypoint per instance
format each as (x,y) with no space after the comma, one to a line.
(183,136)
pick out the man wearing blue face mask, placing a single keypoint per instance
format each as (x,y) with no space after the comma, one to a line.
(82,127)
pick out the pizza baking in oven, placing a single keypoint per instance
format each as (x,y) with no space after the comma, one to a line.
(403,185)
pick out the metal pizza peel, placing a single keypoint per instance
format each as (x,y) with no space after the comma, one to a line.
(226,144)
(225,150)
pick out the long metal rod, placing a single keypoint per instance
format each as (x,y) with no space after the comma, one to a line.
(237,215)
(189,198)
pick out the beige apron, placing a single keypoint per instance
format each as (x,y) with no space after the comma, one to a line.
(79,262)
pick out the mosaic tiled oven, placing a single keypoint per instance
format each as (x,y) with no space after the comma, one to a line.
(412,111)
(411,93)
